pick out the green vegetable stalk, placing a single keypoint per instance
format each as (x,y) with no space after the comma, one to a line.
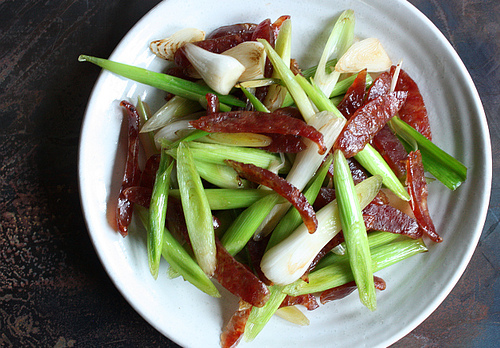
(196,210)
(353,226)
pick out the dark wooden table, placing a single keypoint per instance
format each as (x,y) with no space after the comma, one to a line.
(53,289)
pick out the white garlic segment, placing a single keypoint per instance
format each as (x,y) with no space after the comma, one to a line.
(253,57)
(166,48)
(365,54)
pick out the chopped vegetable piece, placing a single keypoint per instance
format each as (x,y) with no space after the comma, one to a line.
(288,78)
(146,139)
(197,210)
(339,273)
(374,163)
(225,199)
(132,174)
(367,53)
(258,122)
(238,280)
(171,84)
(257,104)
(217,154)
(277,93)
(252,56)
(417,186)
(245,225)
(339,41)
(158,212)
(220,72)
(179,259)
(292,218)
(220,175)
(167,47)
(443,166)
(293,315)
(367,121)
(354,230)
(282,187)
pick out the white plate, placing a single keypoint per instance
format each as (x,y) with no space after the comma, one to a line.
(414,288)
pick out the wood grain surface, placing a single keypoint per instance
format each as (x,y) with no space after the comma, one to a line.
(53,290)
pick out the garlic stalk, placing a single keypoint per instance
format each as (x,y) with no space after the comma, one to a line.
(367,53)
(219,71)
(166,48)
(338,42)
(238,139)
(171,131)
(172,110)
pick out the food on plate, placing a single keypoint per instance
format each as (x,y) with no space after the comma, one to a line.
(278,183)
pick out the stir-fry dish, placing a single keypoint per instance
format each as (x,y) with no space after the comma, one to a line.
(287,185)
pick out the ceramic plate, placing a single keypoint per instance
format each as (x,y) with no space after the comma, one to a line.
(415,287)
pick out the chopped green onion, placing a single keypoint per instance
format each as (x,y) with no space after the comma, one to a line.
(224,199)
(338,42)
(375,239)
(374,163)
(257,104)
(197,211)
(219,71)
(168,83)
(338,91)
(440,164)
(158,213)
(245,225)
(180,260)
(172,110)
(310,72)
(195,134)
(354,229)
(286,75)
(220,175)
(147,139)
(340,272)
(216,153)
(276,93)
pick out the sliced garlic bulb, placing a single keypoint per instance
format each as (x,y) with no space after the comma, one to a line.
(166,48)
(219,71)
(368,54)
(253,57)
